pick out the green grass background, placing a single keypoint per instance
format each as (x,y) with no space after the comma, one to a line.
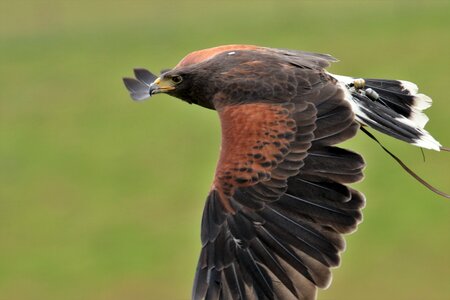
(101,197)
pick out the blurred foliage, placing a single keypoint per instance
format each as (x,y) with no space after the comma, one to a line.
(101,198)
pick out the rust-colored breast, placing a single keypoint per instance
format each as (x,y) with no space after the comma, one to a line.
(255,139)
(201,55)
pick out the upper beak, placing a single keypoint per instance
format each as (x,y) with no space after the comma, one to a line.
(158,86)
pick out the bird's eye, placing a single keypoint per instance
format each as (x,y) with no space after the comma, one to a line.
(177,79)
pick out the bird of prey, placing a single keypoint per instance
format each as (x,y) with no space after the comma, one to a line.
(279,204)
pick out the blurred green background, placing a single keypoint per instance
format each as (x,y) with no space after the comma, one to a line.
(101,197)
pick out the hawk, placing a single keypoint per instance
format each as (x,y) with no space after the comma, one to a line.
(279,204)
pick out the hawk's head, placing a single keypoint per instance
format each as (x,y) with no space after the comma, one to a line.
(232,77)
(189,84)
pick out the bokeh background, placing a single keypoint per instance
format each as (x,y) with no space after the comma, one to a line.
(101,197)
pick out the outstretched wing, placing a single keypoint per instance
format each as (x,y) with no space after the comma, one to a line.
(273,222)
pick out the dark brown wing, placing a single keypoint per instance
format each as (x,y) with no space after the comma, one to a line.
(273,221)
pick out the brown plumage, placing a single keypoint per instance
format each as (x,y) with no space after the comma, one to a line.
(253,149)
(278,206)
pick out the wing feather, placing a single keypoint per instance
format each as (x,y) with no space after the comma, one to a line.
(273,221)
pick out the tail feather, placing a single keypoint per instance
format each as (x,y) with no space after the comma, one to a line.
(402,97)
(393,107)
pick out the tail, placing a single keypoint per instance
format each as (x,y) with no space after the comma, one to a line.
(393,107)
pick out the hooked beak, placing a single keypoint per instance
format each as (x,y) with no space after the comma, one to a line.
(159,86)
